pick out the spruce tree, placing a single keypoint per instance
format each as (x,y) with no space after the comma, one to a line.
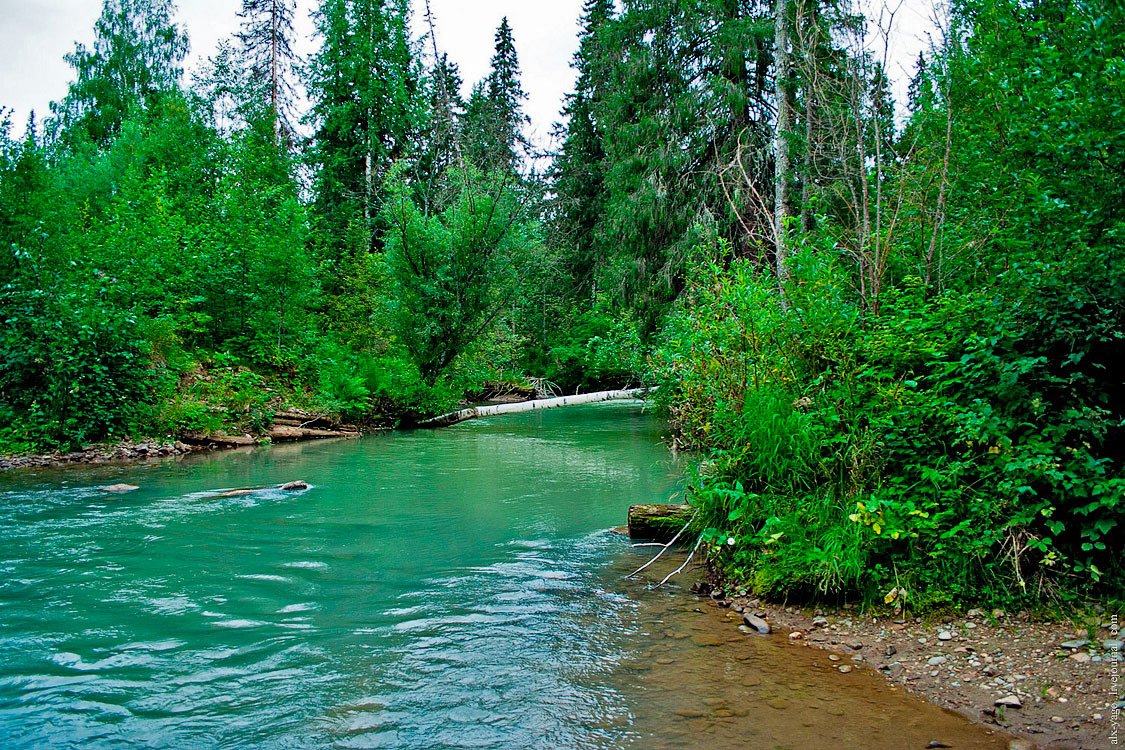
(578,174)
(494,117)
(365,93)
(266,36)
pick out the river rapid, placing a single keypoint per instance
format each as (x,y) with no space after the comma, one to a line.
(446,588)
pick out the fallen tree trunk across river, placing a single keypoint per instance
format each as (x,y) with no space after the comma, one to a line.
(474,412)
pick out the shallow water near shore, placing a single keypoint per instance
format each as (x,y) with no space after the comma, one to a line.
(434,588)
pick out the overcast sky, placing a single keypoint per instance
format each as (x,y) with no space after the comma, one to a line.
(35,34)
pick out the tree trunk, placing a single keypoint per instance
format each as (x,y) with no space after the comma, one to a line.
(657,522)
(781,145)
(474,412)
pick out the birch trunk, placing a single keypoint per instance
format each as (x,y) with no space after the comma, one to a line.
(781,145)
(474,412)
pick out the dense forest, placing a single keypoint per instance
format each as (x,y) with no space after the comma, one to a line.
(894,342)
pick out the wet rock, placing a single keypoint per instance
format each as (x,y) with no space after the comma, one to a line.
(1020,744)
(118,489)
(937,743)
(796,635)
(756,622)
(844,668)
(718,594)
(298,484)
(1009,701)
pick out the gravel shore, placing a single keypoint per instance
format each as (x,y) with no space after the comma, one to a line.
(1054,683)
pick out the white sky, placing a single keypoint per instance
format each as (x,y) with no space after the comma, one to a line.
(35,34)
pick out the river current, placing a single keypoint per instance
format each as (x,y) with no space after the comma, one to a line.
(447,588)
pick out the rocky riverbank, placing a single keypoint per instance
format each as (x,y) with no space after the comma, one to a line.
(122,451)
(286,426)
(1051,682)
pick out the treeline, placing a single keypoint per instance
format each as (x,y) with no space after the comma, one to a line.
(895,340)
(177,256)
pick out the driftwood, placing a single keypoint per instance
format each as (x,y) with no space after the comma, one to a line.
(658,522)
(229,441)
(294,486)
(474,412)
(282,433)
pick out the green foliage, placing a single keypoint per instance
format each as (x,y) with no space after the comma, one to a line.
(71,367)
(135,59)
(454,271)
(962,442)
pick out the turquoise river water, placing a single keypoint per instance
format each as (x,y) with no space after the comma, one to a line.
(447,588)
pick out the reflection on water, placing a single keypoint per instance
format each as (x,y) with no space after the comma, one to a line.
(445,588)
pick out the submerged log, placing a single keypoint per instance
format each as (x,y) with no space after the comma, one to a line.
(657,522)
(474,412)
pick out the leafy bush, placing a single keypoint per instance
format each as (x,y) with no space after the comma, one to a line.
(958,445)
(72,368)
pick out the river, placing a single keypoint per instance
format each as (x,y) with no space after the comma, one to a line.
(447,588)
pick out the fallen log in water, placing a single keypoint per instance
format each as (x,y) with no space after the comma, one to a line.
(658,522)
(474,412)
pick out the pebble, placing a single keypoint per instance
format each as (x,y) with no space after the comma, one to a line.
(890,650)
(974,612)
(796,635)
(844,668)
(819,622)
(1058,719)
(1076,643)
(833,657)
(945,635)
(855,645)
(1081,657)
(937,661)
(1112,645)
(1009,701)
